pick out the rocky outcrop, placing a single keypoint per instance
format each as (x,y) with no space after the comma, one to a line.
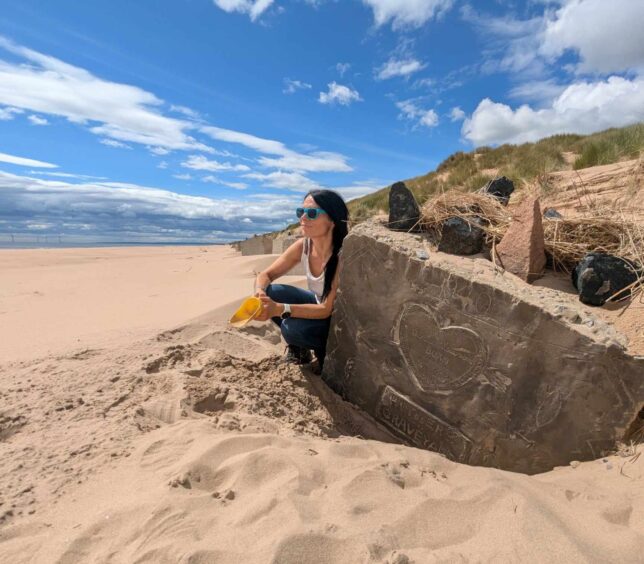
(404,214)
(482,368)
(522,249)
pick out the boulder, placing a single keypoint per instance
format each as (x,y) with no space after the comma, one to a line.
(482,368)
(552,213)
(598,276)
(404,213)
(461,237)
(522,249)
(501,188)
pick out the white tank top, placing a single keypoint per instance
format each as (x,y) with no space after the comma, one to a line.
(315,284)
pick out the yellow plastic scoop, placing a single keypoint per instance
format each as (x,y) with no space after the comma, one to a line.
(249,309)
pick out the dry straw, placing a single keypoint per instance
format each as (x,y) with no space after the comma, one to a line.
(567,241)
(469,206)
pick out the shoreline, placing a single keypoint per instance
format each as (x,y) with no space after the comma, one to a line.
(108,245)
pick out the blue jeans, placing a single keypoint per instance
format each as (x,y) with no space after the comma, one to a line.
(305,333)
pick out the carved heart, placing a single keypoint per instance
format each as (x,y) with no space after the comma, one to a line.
(440,359)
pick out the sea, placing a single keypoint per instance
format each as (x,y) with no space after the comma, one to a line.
(77,245)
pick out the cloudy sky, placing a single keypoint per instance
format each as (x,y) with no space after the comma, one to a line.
(208,120)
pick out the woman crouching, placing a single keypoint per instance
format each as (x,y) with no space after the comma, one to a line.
(304,316)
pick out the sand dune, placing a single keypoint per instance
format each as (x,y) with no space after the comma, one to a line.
(197,445)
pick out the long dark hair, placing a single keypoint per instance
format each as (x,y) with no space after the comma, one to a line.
(333,204)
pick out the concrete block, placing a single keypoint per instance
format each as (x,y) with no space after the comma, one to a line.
(457,359)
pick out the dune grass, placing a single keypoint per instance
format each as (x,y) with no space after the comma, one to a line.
(525,164)
(610,146)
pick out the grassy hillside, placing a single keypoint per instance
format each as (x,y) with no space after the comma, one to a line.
(523,164)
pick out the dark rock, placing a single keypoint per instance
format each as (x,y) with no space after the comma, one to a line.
(461,237)
(501,188)
(404,214)
(522,249)
(552,213)
(482,368)
(598,276)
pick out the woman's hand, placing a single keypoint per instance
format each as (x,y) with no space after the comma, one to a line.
(269,308)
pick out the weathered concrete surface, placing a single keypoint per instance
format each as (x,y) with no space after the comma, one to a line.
(258,245)
(280,244)
(457,358)
(522,251)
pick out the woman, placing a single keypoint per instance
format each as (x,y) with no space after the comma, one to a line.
(304,316)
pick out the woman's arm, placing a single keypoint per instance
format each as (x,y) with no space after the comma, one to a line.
(282,264)
(304,311)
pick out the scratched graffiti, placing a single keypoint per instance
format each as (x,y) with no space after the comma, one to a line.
(420,427)
(440,359)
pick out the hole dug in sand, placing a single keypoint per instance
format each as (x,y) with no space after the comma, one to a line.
(213,402)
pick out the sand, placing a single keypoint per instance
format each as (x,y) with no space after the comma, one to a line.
(136,427)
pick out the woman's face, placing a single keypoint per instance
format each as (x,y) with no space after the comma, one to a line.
(318,227)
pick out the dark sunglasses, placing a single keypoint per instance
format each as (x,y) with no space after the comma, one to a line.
(311,213)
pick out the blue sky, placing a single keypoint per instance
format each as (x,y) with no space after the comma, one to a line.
(208,120)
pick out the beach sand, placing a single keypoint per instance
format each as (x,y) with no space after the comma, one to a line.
(136,427)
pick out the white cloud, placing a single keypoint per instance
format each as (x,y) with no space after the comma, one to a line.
(67,175)
(43,84)
(162,165)
(159,151)
(360,188)
(105,210)
(188,112)
(319,161)
(456,114)
(583,107)
(39,226)
(406,13)
(12,159)
(339,94)
(37,120)
(9,113)
(512,45)
(199,162)
(399,67)
(342,68)
(254,8)
(540,91)
(606,35)
(292,86)
(258,144)
(214,180)
(185,176)
(287,180)
(410,110)
(115,144)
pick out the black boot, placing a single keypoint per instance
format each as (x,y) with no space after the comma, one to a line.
(319,365)
(297,355)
